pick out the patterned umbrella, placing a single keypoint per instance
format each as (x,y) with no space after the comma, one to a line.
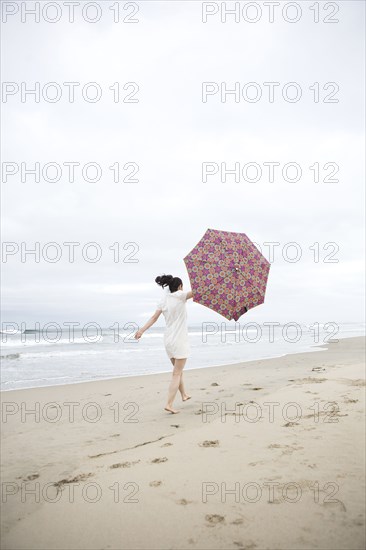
(227,273)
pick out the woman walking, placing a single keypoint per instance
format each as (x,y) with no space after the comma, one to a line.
(173,307)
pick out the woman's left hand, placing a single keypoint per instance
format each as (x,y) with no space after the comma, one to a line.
(138,334)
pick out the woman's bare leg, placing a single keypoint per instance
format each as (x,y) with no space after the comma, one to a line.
(181,388)
(174,384)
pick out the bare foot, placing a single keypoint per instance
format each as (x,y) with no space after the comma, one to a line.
(186,397)
(169,409)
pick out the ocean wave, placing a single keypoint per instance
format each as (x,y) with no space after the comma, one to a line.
(62,341)
(76,353)
(150,335)
(10,356)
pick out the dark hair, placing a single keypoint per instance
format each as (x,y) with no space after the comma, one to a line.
(168,280)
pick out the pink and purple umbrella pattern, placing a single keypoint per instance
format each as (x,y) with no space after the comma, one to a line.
(227,273)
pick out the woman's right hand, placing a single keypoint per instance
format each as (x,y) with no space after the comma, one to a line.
(138,334)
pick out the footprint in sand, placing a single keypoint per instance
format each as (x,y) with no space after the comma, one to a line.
(310,380)
(330,416)
(184,502)
(335,505)
(166,445)
(214,519)
(215,384)
(208,443)
(159,460)
(115,435)
(348,400)
(155,483)
(286,449)
(107,394)
(350,382)
(29,477)
(80,477)
(174,425)
(256,389)
(124,464)
(290,424)
(238,521)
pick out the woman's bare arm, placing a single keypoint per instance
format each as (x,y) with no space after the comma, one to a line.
(189,294)
(148,324)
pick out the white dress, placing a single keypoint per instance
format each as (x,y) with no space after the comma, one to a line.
(173,307)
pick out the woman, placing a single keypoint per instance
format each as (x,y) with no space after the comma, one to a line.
(173,307)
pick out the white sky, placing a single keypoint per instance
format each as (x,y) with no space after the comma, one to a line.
(169,133)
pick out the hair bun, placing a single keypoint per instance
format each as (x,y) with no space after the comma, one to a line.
(163,280)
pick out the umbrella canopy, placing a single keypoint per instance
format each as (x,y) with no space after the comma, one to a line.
(227,273)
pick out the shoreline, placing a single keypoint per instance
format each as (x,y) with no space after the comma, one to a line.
(313,349)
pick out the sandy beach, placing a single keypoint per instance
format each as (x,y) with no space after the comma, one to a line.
(265,455)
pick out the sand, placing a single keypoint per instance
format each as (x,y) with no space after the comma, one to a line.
(266,455)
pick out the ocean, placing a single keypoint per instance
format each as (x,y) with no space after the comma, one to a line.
(38,358)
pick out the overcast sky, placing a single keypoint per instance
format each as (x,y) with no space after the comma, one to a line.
(169,133)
